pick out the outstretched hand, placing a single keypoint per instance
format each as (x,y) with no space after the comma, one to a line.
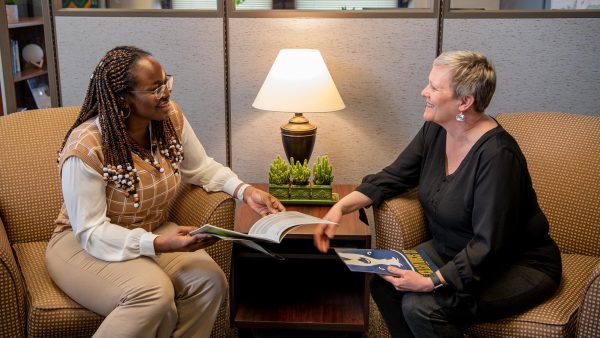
(179,240)
(325,232)
(262,202)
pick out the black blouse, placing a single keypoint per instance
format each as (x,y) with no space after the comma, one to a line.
(485,213)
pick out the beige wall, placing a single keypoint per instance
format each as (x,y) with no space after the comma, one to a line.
(189,48)
(542,64)
(378,64)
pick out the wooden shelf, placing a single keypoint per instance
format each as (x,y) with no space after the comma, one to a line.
(339,311)
(29,73)
(27,22)
(322,295)
(34,27)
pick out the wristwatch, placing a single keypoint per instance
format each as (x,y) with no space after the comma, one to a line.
(437,283)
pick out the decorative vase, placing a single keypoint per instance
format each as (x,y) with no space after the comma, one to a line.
(300,192)
(280,191)
(33,54)
(321,192)
(12,13)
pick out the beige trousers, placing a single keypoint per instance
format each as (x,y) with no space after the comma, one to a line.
(171,295)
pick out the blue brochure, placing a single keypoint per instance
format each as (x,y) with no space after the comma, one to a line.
(378,260)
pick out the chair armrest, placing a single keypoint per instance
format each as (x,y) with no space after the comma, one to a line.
(400,222)
(193,206)
(588,324)
(12,301)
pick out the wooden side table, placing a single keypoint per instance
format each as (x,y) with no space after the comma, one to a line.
(308,290)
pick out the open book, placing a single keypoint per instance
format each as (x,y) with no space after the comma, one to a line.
(378,260)
(271,228)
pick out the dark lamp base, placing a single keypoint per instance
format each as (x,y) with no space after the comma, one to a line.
(298,137)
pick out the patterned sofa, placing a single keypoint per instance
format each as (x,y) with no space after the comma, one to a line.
(30,199)
(563,155)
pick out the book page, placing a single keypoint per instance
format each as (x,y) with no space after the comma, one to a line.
(275,226)
(253,245)
(218,232)
(237,237)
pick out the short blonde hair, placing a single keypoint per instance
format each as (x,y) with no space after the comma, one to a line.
(472,74)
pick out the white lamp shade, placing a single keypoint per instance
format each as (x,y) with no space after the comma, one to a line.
(299,82)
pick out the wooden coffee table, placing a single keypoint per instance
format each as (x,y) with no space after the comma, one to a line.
(308,290)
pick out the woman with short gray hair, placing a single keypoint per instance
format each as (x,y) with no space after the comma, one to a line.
(489,236)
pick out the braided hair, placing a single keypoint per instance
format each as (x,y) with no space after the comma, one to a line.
(105,98)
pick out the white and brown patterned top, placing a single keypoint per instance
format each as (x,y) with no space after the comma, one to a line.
(155,189)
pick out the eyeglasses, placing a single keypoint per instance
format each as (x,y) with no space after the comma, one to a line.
(160,91)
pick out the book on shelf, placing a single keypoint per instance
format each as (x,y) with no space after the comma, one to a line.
(271,228)
(13,61)
(378,260)
(15,56)
(18,56)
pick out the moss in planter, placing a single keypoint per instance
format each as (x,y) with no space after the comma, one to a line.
(279,172)
(279,178)
(299,172)
(322,171)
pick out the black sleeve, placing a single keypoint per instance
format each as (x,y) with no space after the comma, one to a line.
(401,175)
(495,216)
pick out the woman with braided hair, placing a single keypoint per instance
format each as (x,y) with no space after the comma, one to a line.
(121,163)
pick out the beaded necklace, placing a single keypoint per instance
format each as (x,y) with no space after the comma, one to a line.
(126,177)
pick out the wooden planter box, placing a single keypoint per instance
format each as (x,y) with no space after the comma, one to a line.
(281,192)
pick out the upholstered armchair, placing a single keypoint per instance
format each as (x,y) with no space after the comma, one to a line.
(563,156)
(30,199)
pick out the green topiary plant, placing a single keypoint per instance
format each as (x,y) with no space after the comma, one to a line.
(299,173)
(322,171)
(279,172)
(11,2)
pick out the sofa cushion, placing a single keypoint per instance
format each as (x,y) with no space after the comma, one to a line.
(50,313)
(554,318)
(563,159)
(589,310)
(30,194)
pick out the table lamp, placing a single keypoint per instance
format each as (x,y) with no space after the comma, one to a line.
(298,82)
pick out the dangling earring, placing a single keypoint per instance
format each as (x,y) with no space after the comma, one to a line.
(128,111)
(460,117)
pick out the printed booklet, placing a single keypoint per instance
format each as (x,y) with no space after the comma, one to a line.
(378,260)
(271,228)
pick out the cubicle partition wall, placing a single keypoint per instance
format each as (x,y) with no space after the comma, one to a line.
(190,48)
(542,64)
(378,65)
(545,60)
(379,62)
